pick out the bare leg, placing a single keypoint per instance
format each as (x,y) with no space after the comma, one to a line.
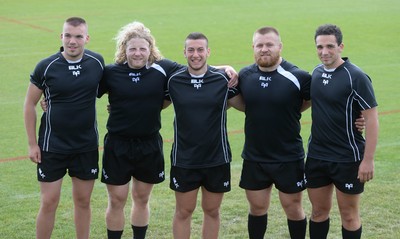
(349,210)
(81,192)
(49,199)
(117,196)
(259,201)
(211,203)
(141,193)
(140,212)
(292,205)
(184,208)
(321,201)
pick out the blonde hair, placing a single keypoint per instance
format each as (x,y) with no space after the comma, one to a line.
(135,30)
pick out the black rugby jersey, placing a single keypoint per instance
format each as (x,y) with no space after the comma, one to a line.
(69,126)
(200,104)
(338,96)
(273,102)
(136,97)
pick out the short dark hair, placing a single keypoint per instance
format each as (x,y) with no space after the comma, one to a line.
(330,29)
(196,36)
(75,21)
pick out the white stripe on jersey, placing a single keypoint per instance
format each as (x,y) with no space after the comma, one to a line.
(159,68)
(45,71)
(349,119)
(101,65)
(288,75)
(224,134)
(355,92)
(47,132)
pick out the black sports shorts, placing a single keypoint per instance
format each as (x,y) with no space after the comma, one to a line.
(215,179)
(141,158)
(320,173)
(54,166)
(288,177)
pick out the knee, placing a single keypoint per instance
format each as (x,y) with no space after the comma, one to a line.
(82,202)
(294,212)
(320,214)
(350,220)
(183,213)
(351,223)
(293,207)
(49,204)
(211,212)
(140,198)
(258,209)
(116,201)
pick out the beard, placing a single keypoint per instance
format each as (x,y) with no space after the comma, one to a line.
(267,60)
(136,63)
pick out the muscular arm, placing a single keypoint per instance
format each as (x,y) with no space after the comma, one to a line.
(232,74)
(32,97)
(237,102)
(366,169)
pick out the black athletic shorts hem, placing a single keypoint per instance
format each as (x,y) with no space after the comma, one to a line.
(54,166)
(321,173)
(288,177)
(214,179)
(142,159)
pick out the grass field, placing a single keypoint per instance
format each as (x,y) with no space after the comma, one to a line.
(29,31)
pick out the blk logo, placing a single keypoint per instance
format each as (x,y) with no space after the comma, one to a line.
(76,73)
(93,171)
(74,68)
(263,78)
(326,76)
(197,83)
(264,81)
(226,184)
(135,77)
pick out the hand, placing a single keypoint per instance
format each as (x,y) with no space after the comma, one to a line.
(35,154)
(360,123)
(366,171)
(233,75)
(43,104)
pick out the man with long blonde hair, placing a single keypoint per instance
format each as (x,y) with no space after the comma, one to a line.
(133,147)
